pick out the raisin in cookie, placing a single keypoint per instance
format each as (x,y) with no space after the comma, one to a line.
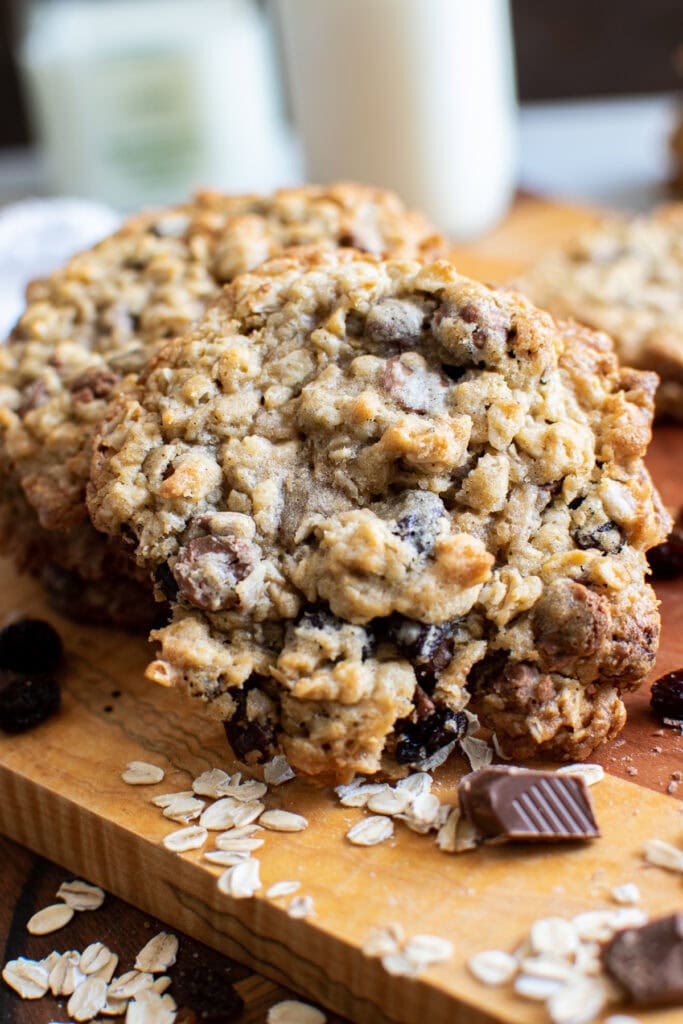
(89,328)
(626,278)
(376,493)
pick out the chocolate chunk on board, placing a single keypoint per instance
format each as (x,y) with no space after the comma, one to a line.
(648,961)
(515,805)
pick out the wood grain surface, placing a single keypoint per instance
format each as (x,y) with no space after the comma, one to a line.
(62,796)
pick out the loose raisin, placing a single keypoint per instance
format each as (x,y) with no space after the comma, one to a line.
(666,559)
(30,645)
(26,701)
(667,696)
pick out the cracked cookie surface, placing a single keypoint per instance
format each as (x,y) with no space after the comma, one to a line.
(89,328)
(377,492)
(626,278)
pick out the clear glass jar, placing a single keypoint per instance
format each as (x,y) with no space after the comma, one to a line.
(140,101)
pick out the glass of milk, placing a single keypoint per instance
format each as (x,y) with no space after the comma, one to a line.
(414,95)
(140,101)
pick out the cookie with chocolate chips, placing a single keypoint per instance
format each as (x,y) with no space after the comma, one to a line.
(626,278)
(90,327)
(376,493)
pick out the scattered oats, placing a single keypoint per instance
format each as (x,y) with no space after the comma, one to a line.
(626,894)
(210,782)
(94,957)
(425,950)
(49,961)
(166,799)
(277,771)
(358,796)
(248,813)
(283,821)
(50,919)
(383,941)
(245,792)
(546,966)
(80,895)
(538,989)
(65,976)
(493,967)
(371,831)
(246,845)
(445,837)
(184,809)
(631,770)
(348,787)
(398,965)
(161,984)
(291,1011)
(157,955)
(107,970)
(590,773)
(415,824)
(129,984)
(190,838)
(620,1018)
(663,855)
(553,935)
(151,1008)
(390,801)
(587,958)
(114,1007)
(219,815)
(241,880)
(88,999)
(466,836)
(672,787)
(300,907)
(594,925)
(438,758)
(242,832)
(27,977)
(282,889)
(578,1003)
(425,808)
(416,783)
(478,752)
(628,917)
(225,858)
(140,773)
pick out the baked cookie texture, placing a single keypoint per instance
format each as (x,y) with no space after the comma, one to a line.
(377,493)
(89,328)
(626,278)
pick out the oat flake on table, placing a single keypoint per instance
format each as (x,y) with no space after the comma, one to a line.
(81,895)
(291,1011)
(141,773)
(50,919)
(157,955)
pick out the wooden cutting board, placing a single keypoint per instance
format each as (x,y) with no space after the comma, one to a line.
(61,795)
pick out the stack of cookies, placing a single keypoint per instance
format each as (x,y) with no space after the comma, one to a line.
(367,492)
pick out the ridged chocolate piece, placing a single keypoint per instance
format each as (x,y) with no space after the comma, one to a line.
(648,962)
(512,804)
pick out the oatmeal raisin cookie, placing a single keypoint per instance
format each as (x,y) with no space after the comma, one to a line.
(376,493)
(626,278)
(89,328)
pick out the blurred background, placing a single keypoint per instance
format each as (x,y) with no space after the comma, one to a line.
(133,102)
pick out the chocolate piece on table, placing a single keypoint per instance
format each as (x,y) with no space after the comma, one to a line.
(506,804)
(648,961)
